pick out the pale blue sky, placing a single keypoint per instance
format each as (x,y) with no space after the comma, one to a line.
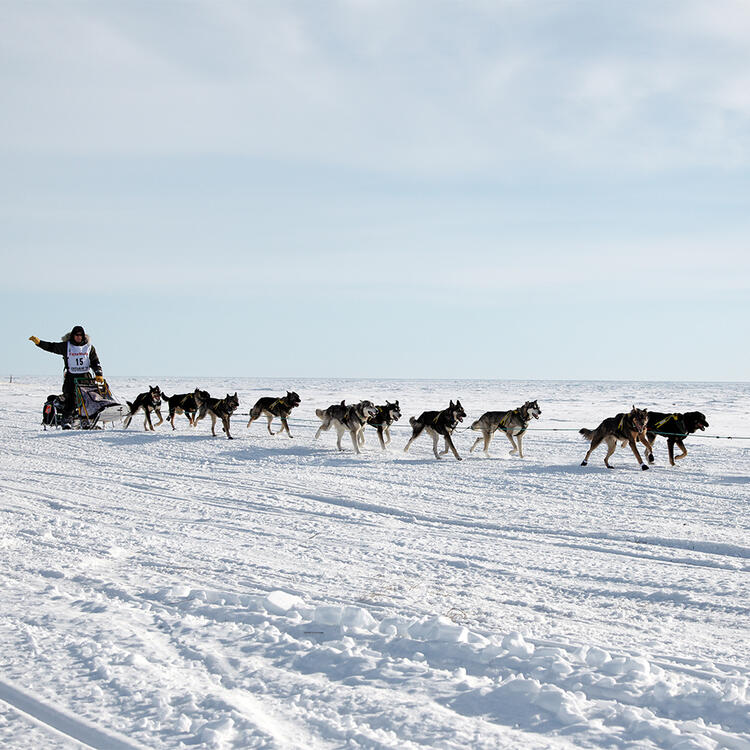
(411,189)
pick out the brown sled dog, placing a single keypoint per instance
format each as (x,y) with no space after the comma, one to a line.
(622,428)
(218,408)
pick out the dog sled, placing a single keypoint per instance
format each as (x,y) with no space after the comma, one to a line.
(95,406)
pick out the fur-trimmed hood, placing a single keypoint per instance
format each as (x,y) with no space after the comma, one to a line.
(66,337)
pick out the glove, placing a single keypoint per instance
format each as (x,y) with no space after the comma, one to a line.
(99,379)
(34,339)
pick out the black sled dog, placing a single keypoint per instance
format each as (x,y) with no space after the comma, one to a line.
(622,428)
(385,415)
(675,427)
(181,403)
(218,408)
(438,423)
(275,407)
(513,423)
(149,401)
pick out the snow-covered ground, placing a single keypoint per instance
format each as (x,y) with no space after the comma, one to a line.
(174,589)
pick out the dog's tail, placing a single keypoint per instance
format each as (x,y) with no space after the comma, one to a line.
(413,421)
(130,406)
(320,413)
(164,396)
(586,433)
(476,425)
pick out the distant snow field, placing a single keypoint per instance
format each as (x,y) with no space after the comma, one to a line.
(174,589)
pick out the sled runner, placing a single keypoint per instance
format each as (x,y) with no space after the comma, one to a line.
(95,406)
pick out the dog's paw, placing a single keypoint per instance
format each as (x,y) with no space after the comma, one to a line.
(584,463)
(644,467)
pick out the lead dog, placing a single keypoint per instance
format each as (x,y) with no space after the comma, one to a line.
(438,423)
(218,409)
(275,407)
(181,403)
(149,401)
(622,428)
(514,423)
(345,418)
(675,427)
(384,417)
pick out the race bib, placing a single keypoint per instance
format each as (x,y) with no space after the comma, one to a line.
(78,359)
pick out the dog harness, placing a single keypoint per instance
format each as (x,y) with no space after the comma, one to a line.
(504,422)
(77,359)
(664,421)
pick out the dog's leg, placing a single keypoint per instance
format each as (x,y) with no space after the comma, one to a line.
(476,443)
(611,445)
(449,444)
(324,425)
(487,441)
(594,445)
(147,420)
(650,437)
(340,429)
(387,433)
(435,439)
(381,431)
(170,418)
(509,435)
(355,439)
(213,424)
(158,414)
(634,448)
(285,426)
(270,419)
(253,417)
(519,438)
(225,427)
(682,447)
(416,432)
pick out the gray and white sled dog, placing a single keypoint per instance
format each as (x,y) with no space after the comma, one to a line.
(513,423)
(438,423)
(386,414)
(351,419)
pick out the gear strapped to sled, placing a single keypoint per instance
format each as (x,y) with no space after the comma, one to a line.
(94,405)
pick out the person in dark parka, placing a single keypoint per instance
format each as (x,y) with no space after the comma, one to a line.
(79,356)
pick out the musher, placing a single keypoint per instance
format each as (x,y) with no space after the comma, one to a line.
(80,357)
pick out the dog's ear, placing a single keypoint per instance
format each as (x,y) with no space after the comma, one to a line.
(396,403)
(450,404)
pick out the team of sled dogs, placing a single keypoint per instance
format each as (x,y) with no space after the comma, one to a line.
(637,425)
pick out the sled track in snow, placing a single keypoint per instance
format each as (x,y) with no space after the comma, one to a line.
(60,723)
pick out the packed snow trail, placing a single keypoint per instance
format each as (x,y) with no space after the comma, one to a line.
(174,588)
